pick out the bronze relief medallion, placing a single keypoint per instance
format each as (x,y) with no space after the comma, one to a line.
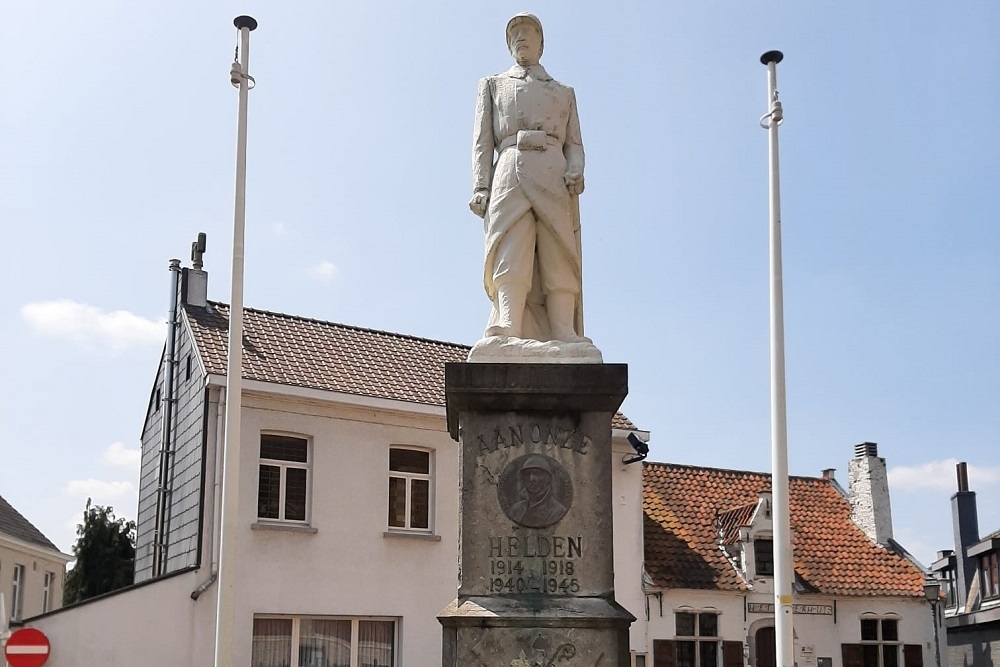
(535,490)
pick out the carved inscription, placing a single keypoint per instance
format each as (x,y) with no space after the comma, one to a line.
(537,564)
(535,491)
(516,435)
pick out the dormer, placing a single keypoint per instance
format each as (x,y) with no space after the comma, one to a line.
(745,536)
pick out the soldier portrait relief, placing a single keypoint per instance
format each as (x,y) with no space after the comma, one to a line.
(535,491)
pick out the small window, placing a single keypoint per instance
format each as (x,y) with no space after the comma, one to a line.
(763,558)
(698,639)
(47,583)
(990,569)
(17,593)
(880,642)
(409,489)
(950,588)
(187,368)
(283,478)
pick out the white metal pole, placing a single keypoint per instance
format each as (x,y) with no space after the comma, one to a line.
(783,635)
(225,619)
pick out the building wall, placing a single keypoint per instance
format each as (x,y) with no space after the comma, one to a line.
(36,563)
(816,635)
(974,646)
(185,466)
(155,625)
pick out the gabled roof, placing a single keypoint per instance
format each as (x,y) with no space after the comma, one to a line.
(730,522)
(831,554)
(303,352)
(12,523)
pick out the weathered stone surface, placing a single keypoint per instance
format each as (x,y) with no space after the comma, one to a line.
(536,551)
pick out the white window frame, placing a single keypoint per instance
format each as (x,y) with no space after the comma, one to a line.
(697,638)
(355,633)
(17,592)
(409,477)
(879,640)
(47,580)
(283,467)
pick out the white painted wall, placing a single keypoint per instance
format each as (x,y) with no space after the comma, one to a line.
(823,633)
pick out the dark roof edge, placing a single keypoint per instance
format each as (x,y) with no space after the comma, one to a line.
(732,470)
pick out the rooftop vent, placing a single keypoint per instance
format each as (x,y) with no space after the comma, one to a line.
(865,449)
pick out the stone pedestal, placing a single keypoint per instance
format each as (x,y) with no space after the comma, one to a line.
(536,557)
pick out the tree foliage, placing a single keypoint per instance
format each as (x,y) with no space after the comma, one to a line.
(105,555)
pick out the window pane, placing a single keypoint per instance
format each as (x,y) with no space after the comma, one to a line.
(272,642)
(397,502)
(375,643)
(764,557)
(708,625)
(890,630)
(869,629)
(283,448)
(869,654)
(640,660)
(295,494)
(268,488)
(409,460)
(685,654)
(890,655)
(419,501)
(709,654)
(324,643)
(685,625)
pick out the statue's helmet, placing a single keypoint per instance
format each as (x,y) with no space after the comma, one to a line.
(530,18)
(537,461)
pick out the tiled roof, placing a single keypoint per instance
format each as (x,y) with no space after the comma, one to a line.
(12,523)
(730,522)
(830,553)
(303,352)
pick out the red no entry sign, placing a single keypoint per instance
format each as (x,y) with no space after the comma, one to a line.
(27,647)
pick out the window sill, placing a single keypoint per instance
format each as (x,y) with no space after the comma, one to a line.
(427,537)
(284,527)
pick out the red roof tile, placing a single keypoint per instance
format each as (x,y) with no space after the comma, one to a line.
(303,352)
(830,553)
(730,522)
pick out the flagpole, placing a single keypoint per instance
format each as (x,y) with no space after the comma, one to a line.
(783,569)
(225,620)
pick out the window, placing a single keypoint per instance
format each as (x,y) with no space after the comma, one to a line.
(880,642)
(697,639)
(283,482)
(950,589)
(47,591)
(17,593)
(409,489)
(638,659)
(323,642)
(990,574)
(763,558)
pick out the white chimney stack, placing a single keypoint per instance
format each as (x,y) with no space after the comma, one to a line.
(869,493)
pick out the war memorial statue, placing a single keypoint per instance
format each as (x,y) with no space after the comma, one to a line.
(533,407)
(527,196)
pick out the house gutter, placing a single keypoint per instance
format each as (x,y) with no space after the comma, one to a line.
(159,539)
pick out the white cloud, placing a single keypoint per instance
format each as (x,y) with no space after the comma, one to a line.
(88,325)
(117,455)
(939,475)
(101,491)
(323,272)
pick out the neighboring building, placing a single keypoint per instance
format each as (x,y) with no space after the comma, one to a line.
(859,601)
(971,577)
(32,569)
(348,522)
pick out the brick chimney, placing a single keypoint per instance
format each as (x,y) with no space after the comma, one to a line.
(869,493)
(965,522)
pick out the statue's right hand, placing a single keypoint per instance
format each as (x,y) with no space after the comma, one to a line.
(478,202)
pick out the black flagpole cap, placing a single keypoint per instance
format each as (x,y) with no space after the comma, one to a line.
(766,59)
(248,22)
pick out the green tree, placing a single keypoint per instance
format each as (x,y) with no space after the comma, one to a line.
(105,555)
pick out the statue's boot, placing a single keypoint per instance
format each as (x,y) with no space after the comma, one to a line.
(561,307)
(510,308)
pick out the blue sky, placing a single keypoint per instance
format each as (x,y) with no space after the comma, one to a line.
(117,146)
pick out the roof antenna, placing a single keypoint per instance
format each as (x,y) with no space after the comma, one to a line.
(197,251)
